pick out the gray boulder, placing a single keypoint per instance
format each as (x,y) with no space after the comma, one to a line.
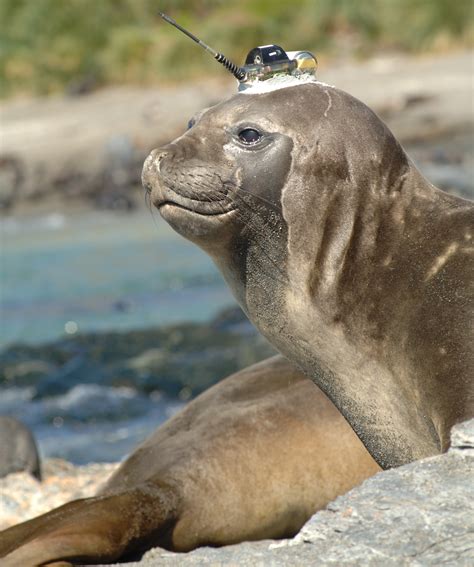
(18,451)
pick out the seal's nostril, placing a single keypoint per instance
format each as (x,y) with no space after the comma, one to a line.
(151,169)
(159,159)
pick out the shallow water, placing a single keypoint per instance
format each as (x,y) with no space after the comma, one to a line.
(89,423)
(64,275)
(100,271)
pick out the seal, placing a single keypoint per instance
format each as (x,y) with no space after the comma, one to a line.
(342,254)
(18,451)
(251,458)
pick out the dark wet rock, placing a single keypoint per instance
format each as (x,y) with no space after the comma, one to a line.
(416,515)
(11,178)
(83,85)
(18,451)
(27,372)
(198,370)
(179,360)
(78,370)
(122,305)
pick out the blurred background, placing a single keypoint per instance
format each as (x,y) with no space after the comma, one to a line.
(109,321)
(55,46)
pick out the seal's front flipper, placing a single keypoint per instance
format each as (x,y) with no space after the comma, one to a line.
(102,528)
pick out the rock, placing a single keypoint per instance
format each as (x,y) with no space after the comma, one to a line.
(11,178)
(18,451)
(232,319)
(26,373)
(186,355)
(462,438)
(418,514)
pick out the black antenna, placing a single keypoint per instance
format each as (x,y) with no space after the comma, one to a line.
(238,72)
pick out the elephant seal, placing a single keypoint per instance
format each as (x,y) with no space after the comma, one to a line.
(251,458)
(342,254)
(18,451)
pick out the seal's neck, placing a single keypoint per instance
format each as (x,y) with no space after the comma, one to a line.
(358,298)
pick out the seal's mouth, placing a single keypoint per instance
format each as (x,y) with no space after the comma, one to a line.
(166,198)
(193,206)
(198,191)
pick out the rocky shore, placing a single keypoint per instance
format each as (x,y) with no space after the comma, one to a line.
(179,361)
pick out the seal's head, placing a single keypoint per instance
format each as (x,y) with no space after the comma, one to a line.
(249,166)
(233,156)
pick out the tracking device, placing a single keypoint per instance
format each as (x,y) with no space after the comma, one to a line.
(262,62)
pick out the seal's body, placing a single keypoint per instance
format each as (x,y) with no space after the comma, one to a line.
(253,457)
(343,255)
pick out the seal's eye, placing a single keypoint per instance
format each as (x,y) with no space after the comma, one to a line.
(191,123)
(249,136)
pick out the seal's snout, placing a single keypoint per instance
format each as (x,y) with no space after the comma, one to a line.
(151,167)
(173,176)
(151,173)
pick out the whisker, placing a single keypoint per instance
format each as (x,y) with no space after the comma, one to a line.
(150,207)
(257,226)
(238,190)
(262,234)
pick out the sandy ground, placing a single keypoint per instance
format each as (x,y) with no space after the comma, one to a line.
(22,497)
